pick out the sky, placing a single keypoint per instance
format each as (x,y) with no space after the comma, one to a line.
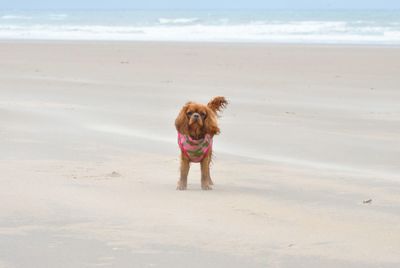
(200,4)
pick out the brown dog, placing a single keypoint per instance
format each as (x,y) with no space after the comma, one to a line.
(196,125)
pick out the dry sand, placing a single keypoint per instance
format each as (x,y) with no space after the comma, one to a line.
(89,160)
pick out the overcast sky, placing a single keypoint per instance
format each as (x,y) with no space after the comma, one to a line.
(199,4)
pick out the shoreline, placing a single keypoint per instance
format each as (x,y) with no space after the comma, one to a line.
(211,43)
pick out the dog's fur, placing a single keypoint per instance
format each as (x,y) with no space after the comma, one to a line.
(197,120)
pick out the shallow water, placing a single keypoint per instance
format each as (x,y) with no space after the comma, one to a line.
(335,27)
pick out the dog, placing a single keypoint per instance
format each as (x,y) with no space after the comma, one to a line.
(196,125)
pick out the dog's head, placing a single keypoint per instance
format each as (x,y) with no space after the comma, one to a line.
(197,120)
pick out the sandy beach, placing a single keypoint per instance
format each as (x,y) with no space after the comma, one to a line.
(306,170)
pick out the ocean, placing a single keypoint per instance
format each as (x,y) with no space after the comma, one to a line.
(376,27)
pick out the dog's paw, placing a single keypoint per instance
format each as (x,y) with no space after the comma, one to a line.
(206,187)
(181,186)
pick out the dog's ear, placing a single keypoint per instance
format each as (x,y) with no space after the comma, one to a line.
(217,104)
(181,122)
(211,123)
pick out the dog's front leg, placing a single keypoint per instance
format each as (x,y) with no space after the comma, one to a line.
(185,166)
(206,181)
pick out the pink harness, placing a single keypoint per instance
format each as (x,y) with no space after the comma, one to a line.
(195,150)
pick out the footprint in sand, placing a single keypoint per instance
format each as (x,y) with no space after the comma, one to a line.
(114,174)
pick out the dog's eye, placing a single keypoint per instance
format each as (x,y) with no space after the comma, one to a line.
(189,113)
(203,115)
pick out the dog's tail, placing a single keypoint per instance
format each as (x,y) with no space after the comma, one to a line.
(217,104)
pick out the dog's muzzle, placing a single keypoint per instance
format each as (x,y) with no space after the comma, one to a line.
(195,116)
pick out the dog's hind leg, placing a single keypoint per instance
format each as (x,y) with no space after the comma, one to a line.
(209,173)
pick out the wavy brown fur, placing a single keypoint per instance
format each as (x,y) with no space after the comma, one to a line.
(197,129)
(205,123)
(217,104)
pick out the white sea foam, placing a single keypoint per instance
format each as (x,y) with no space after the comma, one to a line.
(15,17)
(292,33)
(177,20)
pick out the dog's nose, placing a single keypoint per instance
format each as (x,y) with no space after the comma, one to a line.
(196,116)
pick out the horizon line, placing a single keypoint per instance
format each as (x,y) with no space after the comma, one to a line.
(197,9)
